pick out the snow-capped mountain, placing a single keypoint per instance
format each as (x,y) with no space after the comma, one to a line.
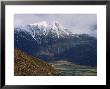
(51,41)
(44,28)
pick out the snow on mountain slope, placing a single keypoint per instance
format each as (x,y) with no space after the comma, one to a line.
(44,28)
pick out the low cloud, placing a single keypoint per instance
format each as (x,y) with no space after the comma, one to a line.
(77,23)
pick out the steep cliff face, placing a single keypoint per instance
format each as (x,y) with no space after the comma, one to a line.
(25,65)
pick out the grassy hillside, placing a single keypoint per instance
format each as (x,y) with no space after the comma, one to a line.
(25,65)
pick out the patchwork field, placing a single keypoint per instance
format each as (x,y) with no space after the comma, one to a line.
(69,69)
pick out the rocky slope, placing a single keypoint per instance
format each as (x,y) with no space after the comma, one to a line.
(25,65)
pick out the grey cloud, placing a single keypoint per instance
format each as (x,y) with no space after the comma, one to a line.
(78,23)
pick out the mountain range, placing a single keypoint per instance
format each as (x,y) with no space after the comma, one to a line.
(53,42)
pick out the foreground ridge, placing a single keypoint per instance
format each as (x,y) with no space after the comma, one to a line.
(25,65)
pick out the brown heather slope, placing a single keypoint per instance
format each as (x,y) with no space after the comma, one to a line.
(25,65)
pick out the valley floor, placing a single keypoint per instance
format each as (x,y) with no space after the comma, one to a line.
(66,68)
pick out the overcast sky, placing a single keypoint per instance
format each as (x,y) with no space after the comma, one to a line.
(77,23)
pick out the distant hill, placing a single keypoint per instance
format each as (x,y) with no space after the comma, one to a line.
(25,65)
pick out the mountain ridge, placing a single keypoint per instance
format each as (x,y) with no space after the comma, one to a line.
(44,28)
(79,48)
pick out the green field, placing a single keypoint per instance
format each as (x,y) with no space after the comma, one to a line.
(66,68)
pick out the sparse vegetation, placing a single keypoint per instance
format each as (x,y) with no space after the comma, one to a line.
(25,65)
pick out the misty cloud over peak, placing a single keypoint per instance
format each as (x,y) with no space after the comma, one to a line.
(78,23)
